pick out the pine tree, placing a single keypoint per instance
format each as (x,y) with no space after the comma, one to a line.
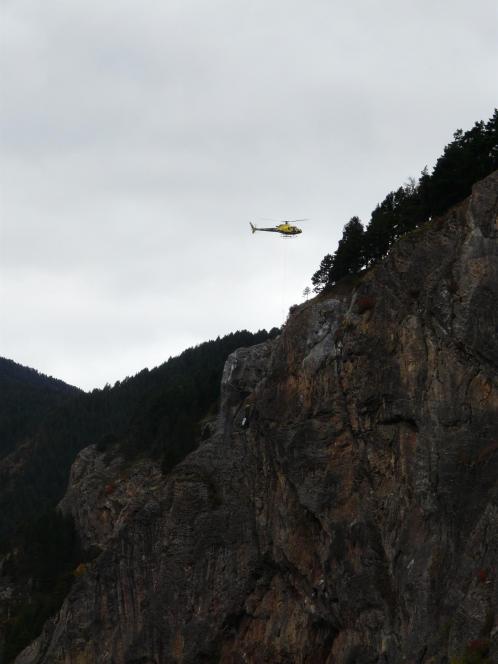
(349,256)
(321,277)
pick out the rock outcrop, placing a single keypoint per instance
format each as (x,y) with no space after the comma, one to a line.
(345,509)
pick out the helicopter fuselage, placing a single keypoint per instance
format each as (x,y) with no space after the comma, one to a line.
(284,229)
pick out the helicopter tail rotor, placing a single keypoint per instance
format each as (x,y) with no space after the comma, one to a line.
(253,228)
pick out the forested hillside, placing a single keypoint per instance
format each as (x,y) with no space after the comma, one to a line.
(27,398)
(469,157)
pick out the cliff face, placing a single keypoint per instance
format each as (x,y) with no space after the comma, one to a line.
(345,509)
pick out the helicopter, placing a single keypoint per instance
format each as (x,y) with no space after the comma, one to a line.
(285,228)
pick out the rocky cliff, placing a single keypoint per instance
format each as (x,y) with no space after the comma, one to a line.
(344,509)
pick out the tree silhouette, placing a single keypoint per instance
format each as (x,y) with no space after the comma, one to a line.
(468,158)
(349,255)
(321,277)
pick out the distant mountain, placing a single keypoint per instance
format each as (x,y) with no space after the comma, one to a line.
(26,397)
(12,373)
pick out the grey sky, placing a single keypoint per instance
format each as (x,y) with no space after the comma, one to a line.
(139,138)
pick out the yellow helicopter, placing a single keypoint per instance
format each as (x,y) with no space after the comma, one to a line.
(285,228)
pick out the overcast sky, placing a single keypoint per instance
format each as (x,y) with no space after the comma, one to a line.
(138,139)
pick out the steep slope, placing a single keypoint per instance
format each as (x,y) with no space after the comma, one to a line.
(345,509)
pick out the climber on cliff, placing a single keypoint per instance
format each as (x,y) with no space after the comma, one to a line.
(245,420)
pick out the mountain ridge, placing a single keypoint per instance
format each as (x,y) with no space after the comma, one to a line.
(28,396)
(10,370)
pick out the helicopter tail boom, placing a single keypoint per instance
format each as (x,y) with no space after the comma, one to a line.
(268,230)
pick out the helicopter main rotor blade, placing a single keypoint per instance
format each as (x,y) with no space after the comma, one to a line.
(282,221)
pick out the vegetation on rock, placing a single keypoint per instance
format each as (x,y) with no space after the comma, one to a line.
(469,157)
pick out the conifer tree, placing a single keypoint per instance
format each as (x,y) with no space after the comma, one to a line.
(349,256)
(321,277)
